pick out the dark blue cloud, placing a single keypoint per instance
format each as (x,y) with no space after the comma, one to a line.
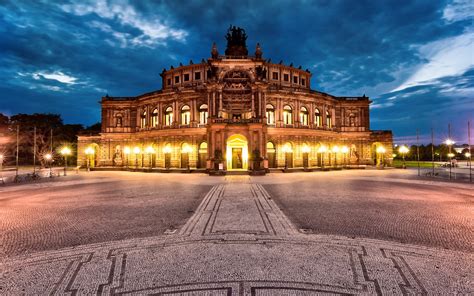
(63,56)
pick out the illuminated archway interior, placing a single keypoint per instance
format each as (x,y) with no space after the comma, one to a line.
(237,153)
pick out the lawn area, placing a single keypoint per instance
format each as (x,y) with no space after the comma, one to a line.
(424,164)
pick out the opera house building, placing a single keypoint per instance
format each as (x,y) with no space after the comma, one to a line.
(235,112)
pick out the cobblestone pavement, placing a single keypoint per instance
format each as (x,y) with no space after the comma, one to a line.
(99,207)
(239,242)
(381,205)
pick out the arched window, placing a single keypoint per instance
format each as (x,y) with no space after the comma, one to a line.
(270,114)
(328,119)
(154,118)
(169,116)
(203,147)
(287,115)
(185,115)
(317,117)
(143,120)
(203,114)
(118,120)
(270,147)
(304,116)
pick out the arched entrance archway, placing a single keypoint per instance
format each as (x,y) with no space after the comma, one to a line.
(237,154)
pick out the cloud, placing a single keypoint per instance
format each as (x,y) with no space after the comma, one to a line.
(447,57)
(152,31)
(459,10)
(58,76)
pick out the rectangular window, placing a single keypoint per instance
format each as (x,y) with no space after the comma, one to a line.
(275,75)
(286,77)
(186,77)
(303,81)
(168,82)
(176,79)
(197,76)
(295,79)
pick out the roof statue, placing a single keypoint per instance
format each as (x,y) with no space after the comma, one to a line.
(236,42)
(214,52)
(258,51)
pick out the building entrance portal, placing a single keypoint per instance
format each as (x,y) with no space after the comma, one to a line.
(237,153)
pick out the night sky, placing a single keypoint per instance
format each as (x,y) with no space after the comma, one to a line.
(414,59)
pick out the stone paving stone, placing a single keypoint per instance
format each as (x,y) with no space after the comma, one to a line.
(270,258)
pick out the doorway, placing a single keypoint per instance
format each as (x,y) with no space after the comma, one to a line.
(237,153)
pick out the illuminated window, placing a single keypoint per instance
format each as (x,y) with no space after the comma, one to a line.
(270,114)
(168,116)
(185,115)
(203,114)
(154,118)
(143,120)
(203,147)
(270,147)
(317,117)
(287,115)
(304,116)
(328,119)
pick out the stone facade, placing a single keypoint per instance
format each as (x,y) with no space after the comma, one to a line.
(235,112)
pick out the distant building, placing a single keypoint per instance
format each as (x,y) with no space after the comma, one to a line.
(235,112)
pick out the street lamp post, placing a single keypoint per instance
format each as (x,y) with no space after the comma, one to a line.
(403,150)
(65,151)
(126,151)
(450,143)
(1,168)
(89,151)
(136,151)
(188,149)
(167,151)
(381,152)
(345,151)
(335,150)
(49,158)
(322,149)
(306,149)
(150,150)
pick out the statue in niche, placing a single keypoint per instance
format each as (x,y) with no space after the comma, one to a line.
(236,42)
(353,156)
(117,159)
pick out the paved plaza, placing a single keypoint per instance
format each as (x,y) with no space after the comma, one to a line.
(344,232)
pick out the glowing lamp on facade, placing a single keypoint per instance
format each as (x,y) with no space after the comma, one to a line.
(381,150)
(306,149)
(187,149)
(345,149)
(1,157)
(322,149)
(450,155)
(48,156)
(149,150)
(89,151)
(287,148)
(136,150)
(167,149)
(335,149)
(126,150)
(467,154)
